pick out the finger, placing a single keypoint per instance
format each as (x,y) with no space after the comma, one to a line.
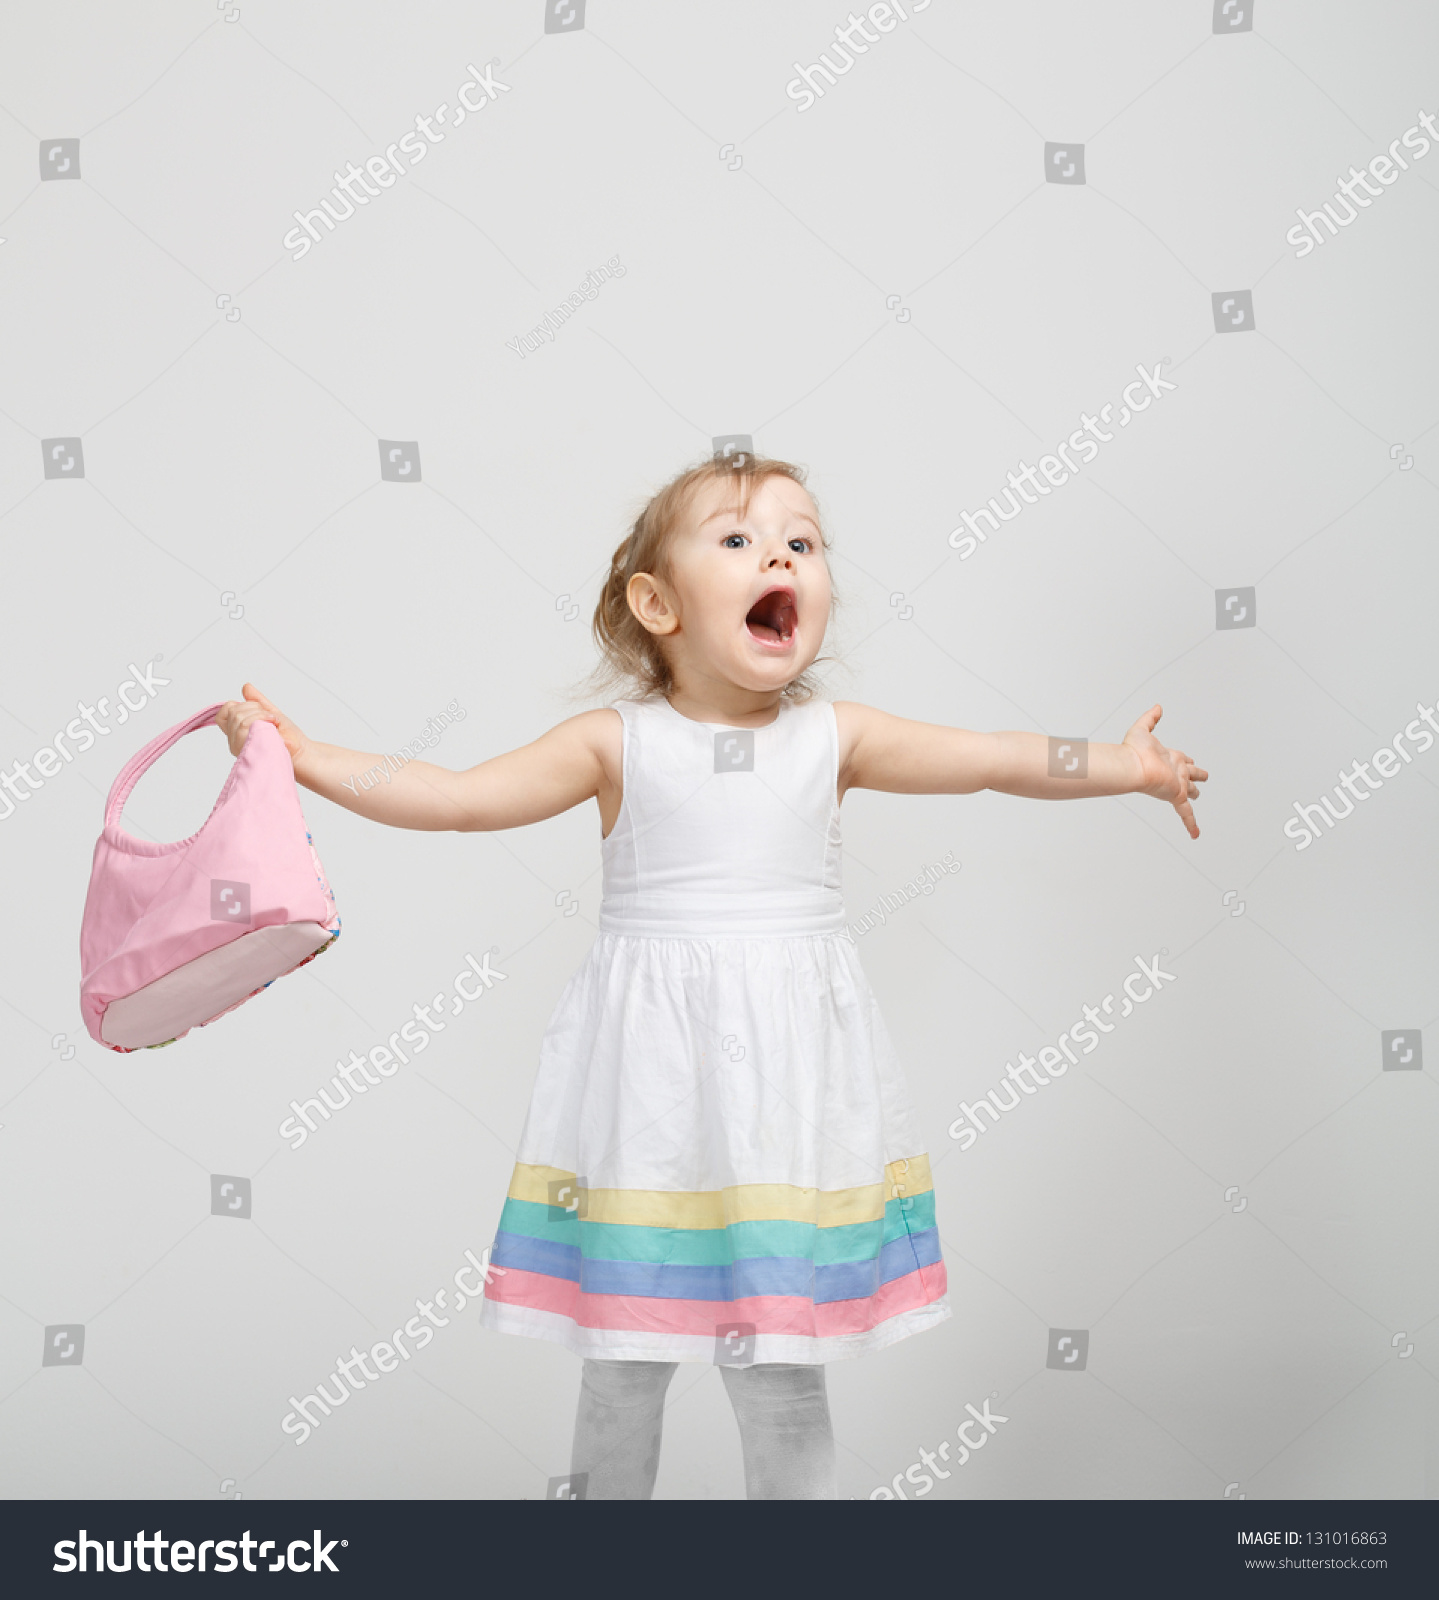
(254,695)
(1199,774)
(1186,816)
(246,717)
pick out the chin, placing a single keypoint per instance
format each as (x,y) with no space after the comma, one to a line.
(774,672)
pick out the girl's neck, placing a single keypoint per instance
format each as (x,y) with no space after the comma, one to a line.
(739,708)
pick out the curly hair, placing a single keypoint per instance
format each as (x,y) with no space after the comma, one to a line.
(631,657)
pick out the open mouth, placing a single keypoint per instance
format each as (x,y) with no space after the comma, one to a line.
(772,618)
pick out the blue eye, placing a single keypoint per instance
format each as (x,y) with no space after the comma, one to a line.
(805,544)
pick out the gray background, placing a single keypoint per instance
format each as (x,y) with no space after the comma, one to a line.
(1245,1349)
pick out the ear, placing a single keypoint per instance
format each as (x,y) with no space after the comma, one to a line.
(648,599)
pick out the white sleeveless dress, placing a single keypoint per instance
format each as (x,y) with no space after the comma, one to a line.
(720,1161)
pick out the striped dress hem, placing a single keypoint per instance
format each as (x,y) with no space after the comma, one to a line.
(752,1272)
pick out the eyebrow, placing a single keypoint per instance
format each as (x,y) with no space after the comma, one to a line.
(802,516)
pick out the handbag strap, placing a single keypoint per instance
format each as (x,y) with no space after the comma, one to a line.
(147,756)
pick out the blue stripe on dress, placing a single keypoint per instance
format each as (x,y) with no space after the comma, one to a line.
(773,1275)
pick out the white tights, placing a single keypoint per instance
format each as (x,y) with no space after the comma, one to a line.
(782,1412)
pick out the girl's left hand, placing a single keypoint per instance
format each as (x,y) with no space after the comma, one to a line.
(1164,773)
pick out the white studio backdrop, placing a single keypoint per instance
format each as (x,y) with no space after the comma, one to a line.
(1200,1263)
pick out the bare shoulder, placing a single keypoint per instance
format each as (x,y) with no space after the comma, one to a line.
(852,721)
(602,731)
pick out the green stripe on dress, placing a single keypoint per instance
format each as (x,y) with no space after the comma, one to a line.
(708,1247)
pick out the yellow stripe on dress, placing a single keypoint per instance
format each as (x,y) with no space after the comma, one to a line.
(743,1202)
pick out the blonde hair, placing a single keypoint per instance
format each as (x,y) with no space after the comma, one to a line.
(631,656)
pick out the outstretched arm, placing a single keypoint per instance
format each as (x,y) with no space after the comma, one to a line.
(903,757)
(539,780)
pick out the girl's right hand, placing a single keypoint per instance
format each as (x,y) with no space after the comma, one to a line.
(235,716)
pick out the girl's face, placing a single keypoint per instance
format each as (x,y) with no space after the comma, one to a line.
(749,599)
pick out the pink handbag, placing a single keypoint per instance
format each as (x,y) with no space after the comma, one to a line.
(177,935)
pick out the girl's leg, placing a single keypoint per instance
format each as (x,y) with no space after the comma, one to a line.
(784,1431)
(617,1427)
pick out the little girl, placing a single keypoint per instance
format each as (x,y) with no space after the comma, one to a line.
(720,1161)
